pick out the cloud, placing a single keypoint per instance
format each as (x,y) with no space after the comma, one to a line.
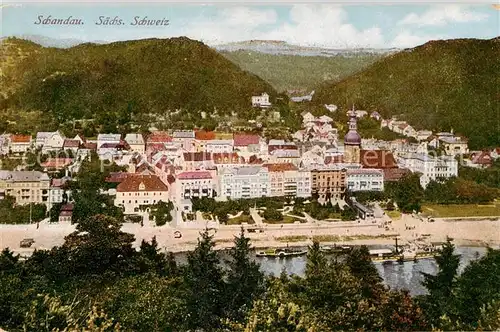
(406,39)
(442,15)
(312,25)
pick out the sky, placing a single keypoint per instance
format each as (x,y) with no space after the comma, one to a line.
(321,25)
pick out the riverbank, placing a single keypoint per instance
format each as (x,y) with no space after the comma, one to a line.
(470,232)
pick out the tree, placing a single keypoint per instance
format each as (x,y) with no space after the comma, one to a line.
(407,193)
(244,279)
(272,214)
(152,260)
(441,285)
(362,267)
(162,212)
(205,286)
(54,212)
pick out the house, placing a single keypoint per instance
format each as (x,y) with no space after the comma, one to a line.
(113,151)
(227,160)
(66,214)
(285,156)
(56,164)
(331,107)
(135,193)
(58,192)
(244,182)
(409,131)
(328,181)
(136,143)
(27,187)
(325,119)
(185,138)
(454,145)
(72,145)
(195,184)
(430,167)
(53,142)
(41,137)
(20,143)
(365,180)
(219,146)
(423,135)
(247,143)
(156,141)
(304,182)
(481,159)
(261,101)
(282,179)
(307,117)
(108,138)
(197,161)
(376,115)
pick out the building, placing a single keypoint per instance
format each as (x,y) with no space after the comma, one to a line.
(218,146)
(66,213)
(196,184)
(244,182)
(430,168)
(227,160)
(282,179)
(365,180)
(328,182)
(304,183)
(20,143)
(423,135)
(261,101)
(285,156)
(53,142)
(352,142)
(454,146)
(136,143)
(136,192)
(197,161)
(56,164)
(72,145)
(27,187)
(108,138)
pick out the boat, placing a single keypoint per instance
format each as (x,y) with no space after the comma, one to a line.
(335,249)
(281,252)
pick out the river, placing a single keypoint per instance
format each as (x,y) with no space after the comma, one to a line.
(405,275)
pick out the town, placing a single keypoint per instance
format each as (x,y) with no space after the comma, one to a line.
(181,165)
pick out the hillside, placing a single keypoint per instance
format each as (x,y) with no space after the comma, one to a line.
(144,76)
(441,85)
(297,71)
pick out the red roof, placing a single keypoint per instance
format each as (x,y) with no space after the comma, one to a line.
(377,159)
(71,143)
(117,177)
(394,174)
(142,183)
(159,137)
(90,146)
(57,162)
(204,135)
(197,156)
(20,138)
(483,158)
(334,159)
(227,158)
(280,167)
(194,175)
(271,148)
(245,139)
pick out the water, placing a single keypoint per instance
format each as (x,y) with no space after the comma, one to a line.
(397,276)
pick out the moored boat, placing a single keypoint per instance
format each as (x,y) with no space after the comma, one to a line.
(281,252)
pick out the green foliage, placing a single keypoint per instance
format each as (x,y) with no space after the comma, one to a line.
(286,72)
(489,177)
(20,214)
(459,191)
(244,280)
(161,212)
(272,214)
(204,286)
(115,82)
(427,85)
(407,193)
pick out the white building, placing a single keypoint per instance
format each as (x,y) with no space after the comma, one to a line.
(196,184)
(53,141)
(108,138)
(244,182)
(261,101)
(431,168)
(136,143)
(365,180)
(304,183)
(219,146)
(137,192)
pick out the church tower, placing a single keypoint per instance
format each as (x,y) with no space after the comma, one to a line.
(352,141)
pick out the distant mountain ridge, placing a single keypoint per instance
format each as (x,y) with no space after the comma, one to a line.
(278,47)
(441,85)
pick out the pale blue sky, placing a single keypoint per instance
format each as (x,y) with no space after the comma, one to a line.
(327,25)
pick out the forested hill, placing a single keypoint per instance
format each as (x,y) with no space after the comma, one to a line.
(441,85)
(151,75)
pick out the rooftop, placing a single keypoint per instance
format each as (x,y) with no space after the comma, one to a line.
(194,175)
(141,183)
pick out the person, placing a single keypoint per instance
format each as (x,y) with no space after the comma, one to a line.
(37,225)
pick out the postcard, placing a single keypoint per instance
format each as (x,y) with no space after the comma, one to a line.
(249,166)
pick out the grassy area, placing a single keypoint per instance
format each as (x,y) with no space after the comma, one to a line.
(292,238)
(285,220)
(461,210)
(394,215)
(241,219)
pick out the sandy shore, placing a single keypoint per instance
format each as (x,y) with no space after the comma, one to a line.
(469,232)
